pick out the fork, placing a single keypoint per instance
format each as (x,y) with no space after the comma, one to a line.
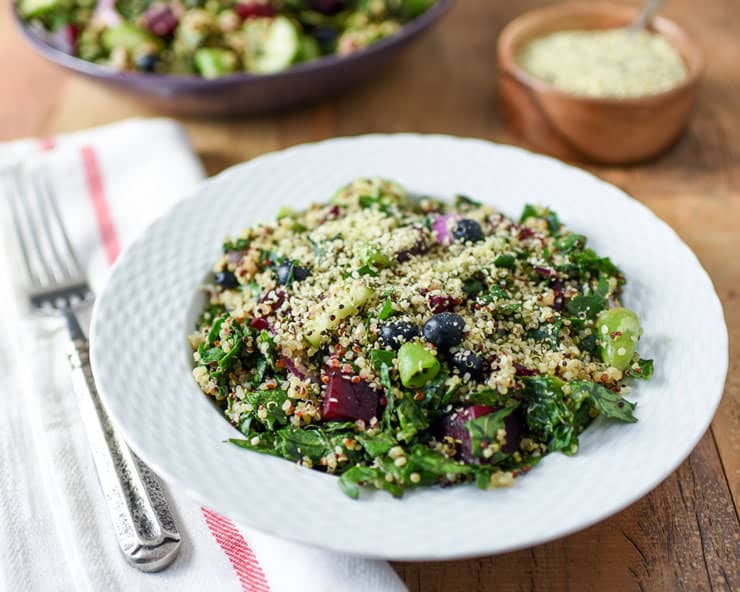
(56,285)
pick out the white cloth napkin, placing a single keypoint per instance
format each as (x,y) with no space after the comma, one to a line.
(55,533)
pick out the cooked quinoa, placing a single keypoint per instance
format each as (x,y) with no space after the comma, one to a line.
(401,341)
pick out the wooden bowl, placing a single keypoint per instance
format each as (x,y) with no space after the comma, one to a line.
(603,130)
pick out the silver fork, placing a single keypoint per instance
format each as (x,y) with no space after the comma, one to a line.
(142,519)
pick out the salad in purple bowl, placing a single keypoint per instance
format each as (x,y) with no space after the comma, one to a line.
(214,38)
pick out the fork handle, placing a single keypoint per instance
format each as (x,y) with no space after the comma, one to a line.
(143,522)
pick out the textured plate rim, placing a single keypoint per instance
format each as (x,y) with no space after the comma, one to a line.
(686,446)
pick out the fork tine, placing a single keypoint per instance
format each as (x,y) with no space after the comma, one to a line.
(71,255)
(59,242)
(29,205)
(14,195)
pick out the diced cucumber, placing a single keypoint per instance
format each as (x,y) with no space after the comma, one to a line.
(37,8)
(214,62)
(371,254)
(309,49)
(351,300)
(272,44)
(129,37)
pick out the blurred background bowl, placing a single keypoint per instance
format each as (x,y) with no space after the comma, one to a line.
(579,128)
(245,93)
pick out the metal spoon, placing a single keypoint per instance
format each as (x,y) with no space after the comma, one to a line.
(645,16)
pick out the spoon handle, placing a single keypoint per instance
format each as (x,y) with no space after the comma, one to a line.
(646,15)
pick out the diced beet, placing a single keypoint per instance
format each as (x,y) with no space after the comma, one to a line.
(453,425)
(419,248)
(442,303)
(298,369)
(254,9)
(544,271)
(345,400)
(64,39)
(274,299)
(557,287)
(259,323)
(523,370)
(160,19)
(443,226)
(331,214)
(522,232)
(515,425)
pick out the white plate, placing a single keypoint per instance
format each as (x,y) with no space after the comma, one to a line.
(142,363)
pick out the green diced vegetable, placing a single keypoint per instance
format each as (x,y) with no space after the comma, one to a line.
(416,365)
(619,330)
(129,37)
(38,8)
(215,62)
(351,300)
(372,255)
(273,44)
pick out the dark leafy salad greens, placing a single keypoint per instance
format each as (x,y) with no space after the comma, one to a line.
(400,342)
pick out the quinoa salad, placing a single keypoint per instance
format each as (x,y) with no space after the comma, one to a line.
(214,38)
(400,341)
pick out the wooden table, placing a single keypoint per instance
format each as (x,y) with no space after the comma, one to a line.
(685,535)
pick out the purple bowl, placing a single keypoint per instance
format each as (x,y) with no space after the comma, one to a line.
(245,93)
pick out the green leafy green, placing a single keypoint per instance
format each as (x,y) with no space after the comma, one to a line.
(294,443)
(548,415)
(387,309)
(484,430)
(548,332)
(435,463)
(505,261)
(239,244)
(644,370)
(570,243)
(412,419)
(610,404)
(530,211)
(473,286)
(349,480)
(380,357)
(378,444)
(463,202)
(586,305)
(268,407)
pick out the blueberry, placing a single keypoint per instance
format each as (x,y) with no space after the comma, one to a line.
(288,272)
(326,37)
(445,330)
(468,230)
(226,279)
(466,362)
(327,6)
(394,334)
(147,62)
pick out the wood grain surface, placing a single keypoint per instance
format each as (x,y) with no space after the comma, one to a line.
(685,535)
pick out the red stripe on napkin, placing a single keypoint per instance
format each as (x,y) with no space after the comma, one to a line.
(96,189)
(242,558)
(47,144)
